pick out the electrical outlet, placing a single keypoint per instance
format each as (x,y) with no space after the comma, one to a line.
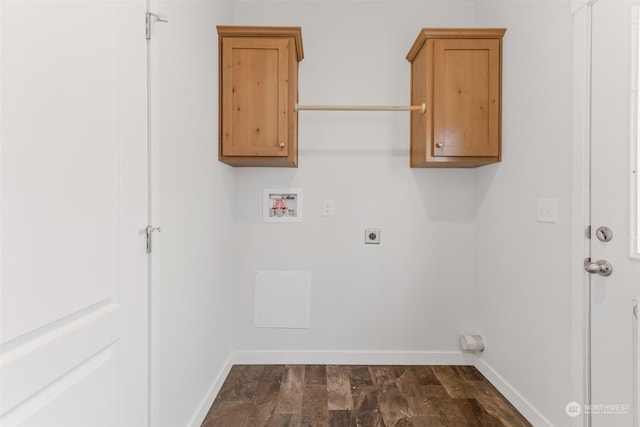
(372,236)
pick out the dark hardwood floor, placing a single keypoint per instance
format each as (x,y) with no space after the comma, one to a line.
(367,396)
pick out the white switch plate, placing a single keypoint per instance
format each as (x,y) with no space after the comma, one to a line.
(547,210)
(327,208)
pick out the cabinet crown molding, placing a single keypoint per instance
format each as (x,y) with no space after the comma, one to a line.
(262,32)
(453,33)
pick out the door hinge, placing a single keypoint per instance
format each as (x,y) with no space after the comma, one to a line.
(149,18)
(149,230)
(588,232)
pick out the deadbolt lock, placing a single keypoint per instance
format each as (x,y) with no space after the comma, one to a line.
(604,234)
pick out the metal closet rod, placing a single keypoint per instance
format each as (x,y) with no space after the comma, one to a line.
(422,108)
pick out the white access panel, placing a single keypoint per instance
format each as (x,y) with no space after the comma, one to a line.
(282,299)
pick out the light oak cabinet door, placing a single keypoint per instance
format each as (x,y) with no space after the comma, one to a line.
(258,90)
(457,72)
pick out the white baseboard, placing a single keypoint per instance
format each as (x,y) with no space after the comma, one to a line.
(352,357)
(203,408)
(513,396)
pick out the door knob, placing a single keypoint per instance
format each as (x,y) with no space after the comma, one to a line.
(600,267)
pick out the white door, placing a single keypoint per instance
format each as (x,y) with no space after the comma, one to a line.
(613,336)
(74,297)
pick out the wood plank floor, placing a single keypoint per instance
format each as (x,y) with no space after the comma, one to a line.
(367,396)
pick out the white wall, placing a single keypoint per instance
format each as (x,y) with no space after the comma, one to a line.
(523,268)
(409,294)
(447,264)
(461,249)
(192,293)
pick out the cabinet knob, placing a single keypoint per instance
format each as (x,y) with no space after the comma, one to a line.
(439,145)
(282,145)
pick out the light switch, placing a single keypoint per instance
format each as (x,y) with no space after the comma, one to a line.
(327,208)
(547,210)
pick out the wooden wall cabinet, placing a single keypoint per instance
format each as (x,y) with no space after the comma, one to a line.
(458,73)
(258,88)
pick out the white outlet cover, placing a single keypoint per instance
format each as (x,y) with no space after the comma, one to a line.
(372,236)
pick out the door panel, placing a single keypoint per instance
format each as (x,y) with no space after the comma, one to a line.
(466,99)
(256,96)
(73,322)
(612,297)
(72,402)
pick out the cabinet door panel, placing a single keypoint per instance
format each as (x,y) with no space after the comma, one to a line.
(255,97)
(466,97)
